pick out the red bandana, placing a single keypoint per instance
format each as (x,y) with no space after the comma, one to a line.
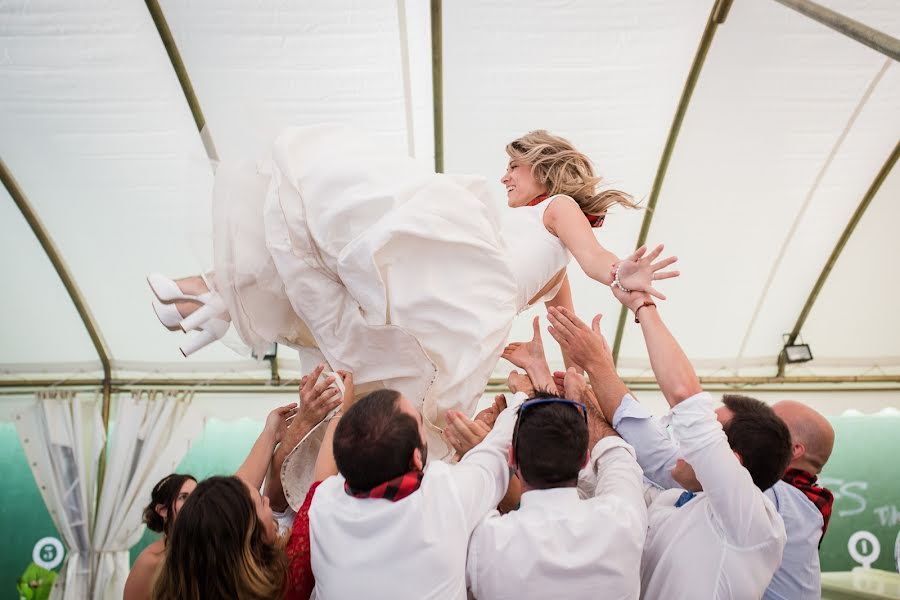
(300,575)
(593,220)
(821,497)
(394,490)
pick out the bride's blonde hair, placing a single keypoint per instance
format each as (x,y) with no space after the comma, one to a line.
(564,170)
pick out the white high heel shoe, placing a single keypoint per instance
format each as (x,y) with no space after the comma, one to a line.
(168,315)
(167,291)
(213,329)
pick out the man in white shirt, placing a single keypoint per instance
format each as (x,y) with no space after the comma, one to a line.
(799,575)
(559,545)
(723,538)
(385,526)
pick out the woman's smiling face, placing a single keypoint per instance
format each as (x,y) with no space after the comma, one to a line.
(521,186)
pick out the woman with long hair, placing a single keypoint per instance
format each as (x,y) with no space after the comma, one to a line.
(223,546)
(166,500)
(408,278)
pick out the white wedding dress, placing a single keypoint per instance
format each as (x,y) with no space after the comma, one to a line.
(407,278)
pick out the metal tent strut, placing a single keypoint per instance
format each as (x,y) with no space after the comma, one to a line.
(874,39)
(838,248)
(717,16)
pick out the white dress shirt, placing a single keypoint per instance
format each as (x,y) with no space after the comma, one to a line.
(559,546)
(728,540)
(799,575)
(416,547)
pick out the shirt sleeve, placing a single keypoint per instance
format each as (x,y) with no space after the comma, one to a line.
(482,476)
(656,452)
(739,505)
(619,476)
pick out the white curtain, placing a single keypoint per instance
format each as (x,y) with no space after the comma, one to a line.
(62,434)
(151,434)
(63,438)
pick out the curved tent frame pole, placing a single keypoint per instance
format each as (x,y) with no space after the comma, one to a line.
(165,34)
(62,270)
(838,248)
(874,39)
(437,82)
(717,17)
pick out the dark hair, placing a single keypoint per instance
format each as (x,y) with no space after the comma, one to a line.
(164,495)
(760,437)
(218,550)
(551,442)
(375,440)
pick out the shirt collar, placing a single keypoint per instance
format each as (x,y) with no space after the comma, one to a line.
(549,498)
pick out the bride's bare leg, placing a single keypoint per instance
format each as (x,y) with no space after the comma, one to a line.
(192,286)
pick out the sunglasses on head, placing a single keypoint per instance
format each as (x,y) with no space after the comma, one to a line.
(534,402)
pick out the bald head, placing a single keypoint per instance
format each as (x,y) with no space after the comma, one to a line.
(812,436)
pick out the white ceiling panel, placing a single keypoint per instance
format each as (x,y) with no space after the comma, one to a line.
(39,326)
(258,69)
(853,320)
(775,94)
(95,127)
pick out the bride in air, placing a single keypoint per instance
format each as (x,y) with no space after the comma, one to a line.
(407,278)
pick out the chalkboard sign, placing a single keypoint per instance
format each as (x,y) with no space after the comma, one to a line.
(864,474)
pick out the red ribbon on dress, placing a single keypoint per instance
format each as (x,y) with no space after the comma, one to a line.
(593,220)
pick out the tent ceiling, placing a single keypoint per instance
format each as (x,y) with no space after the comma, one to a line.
(787,128)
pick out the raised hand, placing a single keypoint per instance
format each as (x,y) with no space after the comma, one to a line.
(316,399)
(348,397)
(527,355)
(489,415)
(584,345)
(462,433)
(279,420)
(639,271)
(517,382)
(575,386)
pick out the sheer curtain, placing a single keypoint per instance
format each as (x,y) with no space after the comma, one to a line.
(151,434)
(62,434)
(63,437)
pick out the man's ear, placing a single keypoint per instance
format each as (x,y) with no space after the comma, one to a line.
(587,459)
(511,458)
(797,450)
(738,456)
(416,462)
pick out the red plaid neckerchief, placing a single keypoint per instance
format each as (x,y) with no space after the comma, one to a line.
(593,220)
(394,490)
(300,575)
(821,497)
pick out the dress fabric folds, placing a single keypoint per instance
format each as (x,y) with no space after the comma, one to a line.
(391,271)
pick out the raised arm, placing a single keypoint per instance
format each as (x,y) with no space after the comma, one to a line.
(253,470)
(317,399)
(676,376)
(564,219)
(530,356)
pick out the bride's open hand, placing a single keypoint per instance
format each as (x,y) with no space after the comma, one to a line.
(639,271)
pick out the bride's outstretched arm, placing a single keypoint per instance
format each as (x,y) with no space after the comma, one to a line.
(564,219)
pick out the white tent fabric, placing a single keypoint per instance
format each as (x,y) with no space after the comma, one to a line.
(63,436)
(153,431)
(786,130)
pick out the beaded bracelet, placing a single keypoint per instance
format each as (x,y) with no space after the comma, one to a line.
(618,283)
